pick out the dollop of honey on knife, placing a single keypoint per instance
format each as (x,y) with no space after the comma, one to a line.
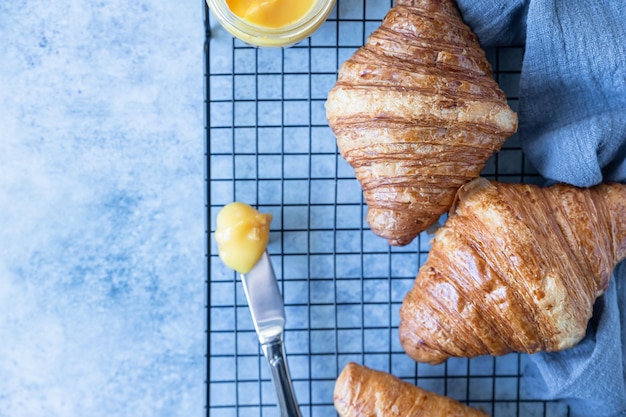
(242,234)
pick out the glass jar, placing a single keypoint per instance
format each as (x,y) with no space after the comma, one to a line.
(272,37)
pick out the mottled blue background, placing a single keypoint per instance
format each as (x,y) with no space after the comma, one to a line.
(102,268)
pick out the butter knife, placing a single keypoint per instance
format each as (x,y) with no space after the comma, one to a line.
(268,314)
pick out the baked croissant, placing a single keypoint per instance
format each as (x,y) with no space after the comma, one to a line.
(516,268)
(417,113)
(363,392)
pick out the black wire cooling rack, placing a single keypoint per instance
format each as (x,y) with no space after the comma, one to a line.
(269,145)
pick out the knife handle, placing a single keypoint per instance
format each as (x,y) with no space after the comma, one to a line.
(275,354)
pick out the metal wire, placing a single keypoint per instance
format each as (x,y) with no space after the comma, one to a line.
(269,145)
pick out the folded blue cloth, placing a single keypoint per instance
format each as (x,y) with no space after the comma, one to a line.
(572,114)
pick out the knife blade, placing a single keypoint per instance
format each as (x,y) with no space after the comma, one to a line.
(268,315)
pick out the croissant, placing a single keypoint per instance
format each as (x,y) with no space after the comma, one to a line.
(361,392)
(417,113)
(516,267)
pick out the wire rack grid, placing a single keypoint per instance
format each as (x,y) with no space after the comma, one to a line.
(269,145)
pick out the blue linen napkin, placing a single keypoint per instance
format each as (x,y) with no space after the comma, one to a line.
(572,126)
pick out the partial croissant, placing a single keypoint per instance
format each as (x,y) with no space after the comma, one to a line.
(363,392)
(417,114)
(516,268)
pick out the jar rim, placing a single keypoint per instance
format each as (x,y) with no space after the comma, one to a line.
(264,36)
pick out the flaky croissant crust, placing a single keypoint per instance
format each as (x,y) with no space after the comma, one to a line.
(364,392)
(516,268)
(417,113)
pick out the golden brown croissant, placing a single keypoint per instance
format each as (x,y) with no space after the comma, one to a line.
(363,392)
(516,268)
(417,113)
